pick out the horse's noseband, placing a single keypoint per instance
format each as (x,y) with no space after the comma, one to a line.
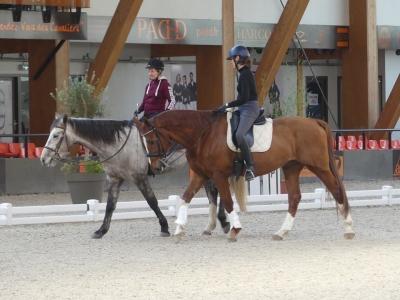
(161,151)
(56,155)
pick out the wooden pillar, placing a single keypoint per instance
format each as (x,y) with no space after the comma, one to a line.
(209,77)
(42,106)
(277,46)
(114,41)
(228,36)
(390,113)
(360,100)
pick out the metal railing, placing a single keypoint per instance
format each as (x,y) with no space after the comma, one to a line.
(25,137)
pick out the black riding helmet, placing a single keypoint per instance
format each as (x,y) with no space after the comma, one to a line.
(239,50)
(155,63)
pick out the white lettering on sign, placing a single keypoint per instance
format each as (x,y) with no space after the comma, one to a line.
(312,99)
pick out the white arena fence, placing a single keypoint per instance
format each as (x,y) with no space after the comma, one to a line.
(94,211)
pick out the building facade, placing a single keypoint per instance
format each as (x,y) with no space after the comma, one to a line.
(187,22)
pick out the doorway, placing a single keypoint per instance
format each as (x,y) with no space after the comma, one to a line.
(8,116)
(317,107)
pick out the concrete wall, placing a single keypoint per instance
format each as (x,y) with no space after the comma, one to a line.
(27,176)
(23,176)
(368,164)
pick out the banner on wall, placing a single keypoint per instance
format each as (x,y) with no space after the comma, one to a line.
(184,87)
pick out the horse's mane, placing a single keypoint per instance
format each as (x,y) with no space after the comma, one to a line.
(185,118)
(106,131)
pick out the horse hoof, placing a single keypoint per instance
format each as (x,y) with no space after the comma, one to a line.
(226,228)
(276,237)
(96,236)
(206,232)
(165,234)
(178,237)
(232,240)
(349,235)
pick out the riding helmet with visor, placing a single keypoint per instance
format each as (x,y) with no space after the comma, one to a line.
(155,63)
(239,50)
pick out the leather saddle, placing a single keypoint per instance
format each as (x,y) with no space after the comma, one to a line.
(249,135)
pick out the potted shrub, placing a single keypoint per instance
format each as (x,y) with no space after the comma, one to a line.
(85,180)
(77,98)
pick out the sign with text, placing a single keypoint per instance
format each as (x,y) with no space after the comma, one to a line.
(162,31)
(32,26)
(208,32)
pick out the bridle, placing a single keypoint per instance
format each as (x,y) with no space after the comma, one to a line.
(161,150)
(57,156)
(163,154)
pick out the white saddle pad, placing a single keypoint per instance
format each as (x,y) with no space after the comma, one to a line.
(262,136)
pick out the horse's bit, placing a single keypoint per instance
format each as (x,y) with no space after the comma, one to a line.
(56,155)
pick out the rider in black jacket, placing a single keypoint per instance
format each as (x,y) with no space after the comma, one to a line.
(246,102)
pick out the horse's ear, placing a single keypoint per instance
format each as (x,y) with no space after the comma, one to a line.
(137,122)
(146,121)
(65,119)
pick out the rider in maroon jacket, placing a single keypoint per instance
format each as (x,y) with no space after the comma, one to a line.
(158,95)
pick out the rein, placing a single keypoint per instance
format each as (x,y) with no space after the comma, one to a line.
(70,161)
(157,132)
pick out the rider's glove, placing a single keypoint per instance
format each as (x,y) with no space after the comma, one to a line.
(220,110)
(136,113)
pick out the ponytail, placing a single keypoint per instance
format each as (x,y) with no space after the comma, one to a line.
(246,61)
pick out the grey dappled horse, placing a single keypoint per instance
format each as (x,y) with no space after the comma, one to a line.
(118,144)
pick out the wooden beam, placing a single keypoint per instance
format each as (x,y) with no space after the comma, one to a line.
(14,46)
(390,113)
(360,101)
(114,41)
(172,50)
(63,3)
(228,37)
(277,46)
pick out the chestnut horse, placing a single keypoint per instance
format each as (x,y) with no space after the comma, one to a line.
(296,143)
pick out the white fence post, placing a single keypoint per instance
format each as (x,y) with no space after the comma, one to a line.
(269,184)
(389,196)
(93,209)
(322,197)
(177,203)
(7,217)
(255,186)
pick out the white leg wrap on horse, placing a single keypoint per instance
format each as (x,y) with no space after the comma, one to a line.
(182,215)
(234,219)
(286,226)
(212,217)
(348,222)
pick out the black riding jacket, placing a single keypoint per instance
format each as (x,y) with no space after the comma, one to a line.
(246,88)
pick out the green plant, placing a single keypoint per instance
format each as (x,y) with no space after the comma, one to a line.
(78,99)
(84,166)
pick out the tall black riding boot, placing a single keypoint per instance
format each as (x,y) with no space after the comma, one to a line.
(250,174)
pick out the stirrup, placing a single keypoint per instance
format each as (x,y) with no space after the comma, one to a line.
(249,175)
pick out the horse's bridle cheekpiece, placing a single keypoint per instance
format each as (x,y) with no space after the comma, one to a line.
(161,151)
(56,155)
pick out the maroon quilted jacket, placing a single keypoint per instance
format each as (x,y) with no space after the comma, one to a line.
(158,97)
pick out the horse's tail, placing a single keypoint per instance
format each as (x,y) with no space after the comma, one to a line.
(332,165)
(239,189)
